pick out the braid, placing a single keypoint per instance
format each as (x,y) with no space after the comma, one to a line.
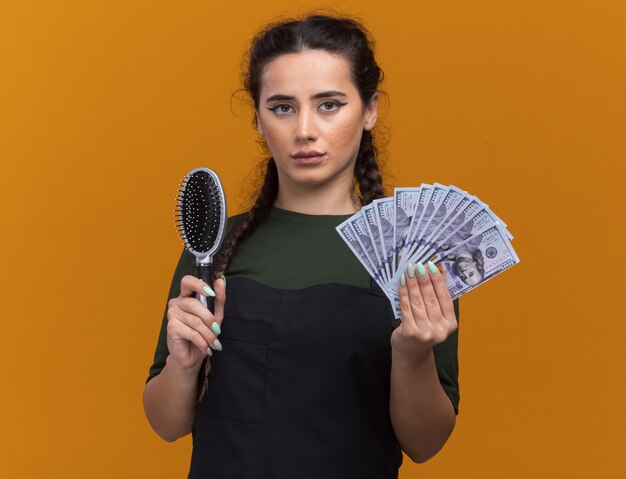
(244,228)
(366,170)
(253,218)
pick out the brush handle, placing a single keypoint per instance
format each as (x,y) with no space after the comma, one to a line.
(204,273)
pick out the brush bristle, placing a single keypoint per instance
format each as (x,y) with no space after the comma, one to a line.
(199,211)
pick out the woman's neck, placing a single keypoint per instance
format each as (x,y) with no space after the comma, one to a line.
(318,201)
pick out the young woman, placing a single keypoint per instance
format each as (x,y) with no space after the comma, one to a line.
(309,374)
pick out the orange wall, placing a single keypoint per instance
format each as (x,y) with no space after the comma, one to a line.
(104,106)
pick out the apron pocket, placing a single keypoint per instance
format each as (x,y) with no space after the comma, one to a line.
(238,373)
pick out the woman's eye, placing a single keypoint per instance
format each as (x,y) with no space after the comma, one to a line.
(331,105)
(281,109)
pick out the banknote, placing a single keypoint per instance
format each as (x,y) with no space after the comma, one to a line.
(443,224)
(434,200)
(371,221)
(424,194)
(476,260)
(367,242)
(434,196)
(467,209)
(405,201)
(463,223)
(453,220)
(478,222)
(496,218)
(454,196)
(349,235)
(385,216)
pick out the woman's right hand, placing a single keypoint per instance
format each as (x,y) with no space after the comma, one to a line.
(191,327)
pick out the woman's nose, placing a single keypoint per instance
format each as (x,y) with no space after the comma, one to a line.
(306,129)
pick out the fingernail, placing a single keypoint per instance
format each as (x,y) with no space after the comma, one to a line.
(421,270)
(207,289)
(403,280)
(411,270)
(216,328)
(209,352)
(224,278)
(431,266)
(217,345)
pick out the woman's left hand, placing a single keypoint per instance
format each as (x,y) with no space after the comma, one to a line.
(427,312)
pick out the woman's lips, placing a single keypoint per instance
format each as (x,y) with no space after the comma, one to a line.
(309,160)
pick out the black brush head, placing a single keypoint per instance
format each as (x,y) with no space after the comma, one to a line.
(201,212)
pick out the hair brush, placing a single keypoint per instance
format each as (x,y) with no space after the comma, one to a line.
(201,220)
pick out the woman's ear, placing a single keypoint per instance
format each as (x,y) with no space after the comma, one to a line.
(371,113)
(258,125)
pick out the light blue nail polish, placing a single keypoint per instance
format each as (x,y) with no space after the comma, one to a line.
(421,270)
(209,291)
(216,328)
(433,269)
(224,278)
(403,280)
(209,352)
(217,345)
(411,270)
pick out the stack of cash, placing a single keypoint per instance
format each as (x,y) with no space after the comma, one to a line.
(437,223)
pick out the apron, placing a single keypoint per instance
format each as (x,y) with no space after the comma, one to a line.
(301,388)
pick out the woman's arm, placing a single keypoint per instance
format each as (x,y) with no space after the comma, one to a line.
(169,400)
(422,414)
(191,330)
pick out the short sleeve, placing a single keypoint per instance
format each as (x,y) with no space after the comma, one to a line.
(447,362)
(186,265)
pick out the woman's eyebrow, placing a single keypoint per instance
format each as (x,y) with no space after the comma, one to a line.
(324,94)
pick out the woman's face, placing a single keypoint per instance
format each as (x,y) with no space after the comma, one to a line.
(309,105)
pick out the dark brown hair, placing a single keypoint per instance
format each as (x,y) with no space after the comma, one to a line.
(334,34)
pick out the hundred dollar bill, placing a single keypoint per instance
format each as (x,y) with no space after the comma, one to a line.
(405,201)
(347,233)
(478,222)
(422,200)
(435,199)
(363,236)
(477,260)
(431,204)
(465,223)
(371,221)
(450,219)
(495,217)
(453,197)
(385,210)
(463,213)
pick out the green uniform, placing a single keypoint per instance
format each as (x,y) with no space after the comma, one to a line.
(293,251)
